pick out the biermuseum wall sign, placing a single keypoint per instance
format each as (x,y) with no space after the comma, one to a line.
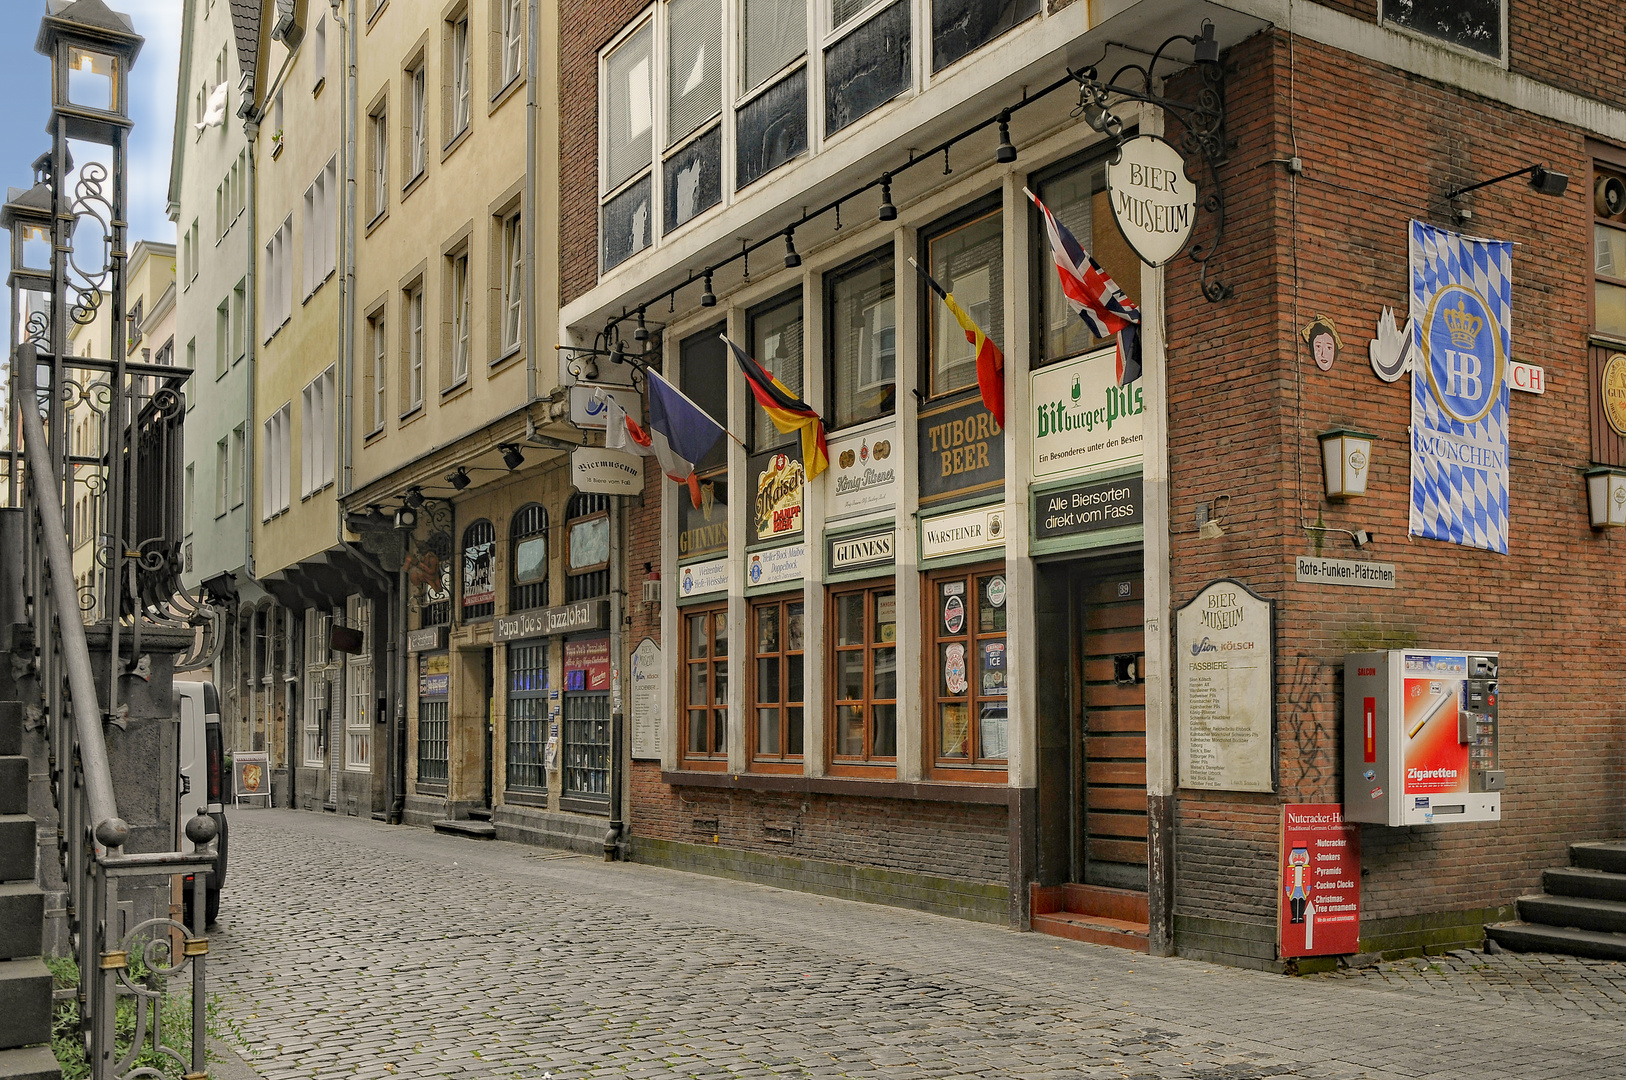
(1224,675)
(1153,201)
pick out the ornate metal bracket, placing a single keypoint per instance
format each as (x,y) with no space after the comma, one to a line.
(1202,121)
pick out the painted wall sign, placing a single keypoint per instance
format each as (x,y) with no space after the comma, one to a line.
(704,528)
(1153,201)
(962,451)
(1613,386)
(1083,420)
(598,471)
(582,616)
(1320,893)
(1392,350)
(863,473)
(1368,575)
(646,700)
(865,549)
(1322,337)
(777,482)
(966,530)
(586,411)
(587,665)
(427,639)
(1527,377)
(771,566)
(1084,508)
(1459,449)
(434,674)
(1224,677)
(698,579)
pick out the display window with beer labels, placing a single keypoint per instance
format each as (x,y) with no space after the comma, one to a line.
(968,673)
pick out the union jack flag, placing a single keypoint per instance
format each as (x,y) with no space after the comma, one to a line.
(1091,292)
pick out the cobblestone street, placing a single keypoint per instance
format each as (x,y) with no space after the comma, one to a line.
(348,948)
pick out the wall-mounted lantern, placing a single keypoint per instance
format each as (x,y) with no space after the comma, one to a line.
(1606,496)
(1346,458)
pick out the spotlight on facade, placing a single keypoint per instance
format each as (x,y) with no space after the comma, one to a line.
(642,333)
(459,479)
(511,456)
(1548,182)
(1346,458)
(888,212)
(792,260)
(1006,152)
(414,497)
(1606,496)
(406,518)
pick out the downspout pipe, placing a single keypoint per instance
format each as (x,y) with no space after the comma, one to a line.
(347,282)
(614,846)
(251,336)
(532,304)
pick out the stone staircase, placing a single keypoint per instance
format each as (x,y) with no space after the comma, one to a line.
(25,984)
(477,824)
(1581,910)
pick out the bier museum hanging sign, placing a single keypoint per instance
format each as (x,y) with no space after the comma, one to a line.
(1461,308)
(1153,201)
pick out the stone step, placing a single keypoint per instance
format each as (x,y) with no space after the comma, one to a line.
(1578,881)
(29,1063)
(18,845)
(14,785)
(1580,913)
(22,915)
(1530,937)
(11,728)
(1607,855)
(481,830)
(480,814)
(25,1003)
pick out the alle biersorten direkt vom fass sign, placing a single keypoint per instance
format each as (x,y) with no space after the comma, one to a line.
(1224,659)
(1083,420)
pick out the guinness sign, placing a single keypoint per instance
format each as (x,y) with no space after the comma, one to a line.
(865,549)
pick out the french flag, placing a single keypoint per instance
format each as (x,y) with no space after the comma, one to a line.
(1092,293)
(679,434)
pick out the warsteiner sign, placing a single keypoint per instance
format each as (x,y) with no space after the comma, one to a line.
(1153,201)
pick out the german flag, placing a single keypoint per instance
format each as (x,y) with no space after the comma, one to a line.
(787,411)
(990,361)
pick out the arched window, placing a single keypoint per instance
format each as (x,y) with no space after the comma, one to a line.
(479,573)
(528,533)
(587,547)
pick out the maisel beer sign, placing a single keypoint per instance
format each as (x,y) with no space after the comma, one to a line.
(777,480)
(1153,202)
(962,451)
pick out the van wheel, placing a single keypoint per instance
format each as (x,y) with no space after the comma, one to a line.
(211,908)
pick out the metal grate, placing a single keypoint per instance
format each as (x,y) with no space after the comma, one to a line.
(432,740)
(628,108)
(587,745)
(694,54)
(528,533)
(527,715)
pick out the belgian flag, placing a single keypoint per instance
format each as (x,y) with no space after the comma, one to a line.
(990,361)
(787,411)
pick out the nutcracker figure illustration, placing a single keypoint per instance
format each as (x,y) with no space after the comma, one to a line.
(1298,887)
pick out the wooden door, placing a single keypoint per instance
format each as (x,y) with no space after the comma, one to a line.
(1114,719)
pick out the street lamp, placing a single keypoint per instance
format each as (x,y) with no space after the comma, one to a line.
(27,215)
(1345,458)
(91,50)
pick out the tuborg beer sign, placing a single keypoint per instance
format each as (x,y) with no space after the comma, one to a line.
(1153,201)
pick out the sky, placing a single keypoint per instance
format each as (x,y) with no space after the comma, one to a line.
(25,109)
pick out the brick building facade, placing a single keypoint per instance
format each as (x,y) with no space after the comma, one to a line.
(1045,789)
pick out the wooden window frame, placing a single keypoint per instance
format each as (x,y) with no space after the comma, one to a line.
(972,214)
(869,764)
(784,656)
(570,528)
(974,768)
(1615,164)
(714,759)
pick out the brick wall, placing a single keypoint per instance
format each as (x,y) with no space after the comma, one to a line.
(1380,148)
(938,839)
(583,30)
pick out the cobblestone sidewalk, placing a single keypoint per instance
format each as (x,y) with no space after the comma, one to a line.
(352,949)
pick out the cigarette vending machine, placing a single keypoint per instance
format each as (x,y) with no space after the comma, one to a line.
(1421,737)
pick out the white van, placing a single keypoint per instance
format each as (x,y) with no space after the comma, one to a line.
(197,704)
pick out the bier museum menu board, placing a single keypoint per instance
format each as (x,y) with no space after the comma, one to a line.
(1224,662)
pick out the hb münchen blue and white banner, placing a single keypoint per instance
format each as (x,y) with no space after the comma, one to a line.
(1461,308)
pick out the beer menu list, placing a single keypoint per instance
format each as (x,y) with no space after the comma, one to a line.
(1223,684)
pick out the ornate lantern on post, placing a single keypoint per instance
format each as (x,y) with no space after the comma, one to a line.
(92,50)
(27,216)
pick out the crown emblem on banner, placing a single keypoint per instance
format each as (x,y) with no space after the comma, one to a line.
(1464,328)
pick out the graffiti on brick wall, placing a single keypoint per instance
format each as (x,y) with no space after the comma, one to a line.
(1307,761)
